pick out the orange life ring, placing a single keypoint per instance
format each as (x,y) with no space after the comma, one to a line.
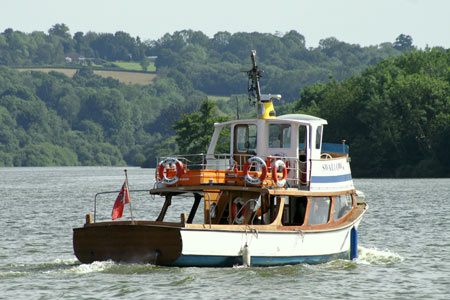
(263,166)
(238,210)
(167,165)
(279,164)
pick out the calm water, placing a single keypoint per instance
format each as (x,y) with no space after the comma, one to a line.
(404,244)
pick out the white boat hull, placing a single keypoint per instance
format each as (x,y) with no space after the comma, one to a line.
(207,247)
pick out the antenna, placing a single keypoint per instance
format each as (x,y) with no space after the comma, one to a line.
(254,74)
(265,105)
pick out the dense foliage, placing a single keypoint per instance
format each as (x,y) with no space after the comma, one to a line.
(193,131)
(390,102)
(213,65)
(395,115)
(50,119)
(39,48)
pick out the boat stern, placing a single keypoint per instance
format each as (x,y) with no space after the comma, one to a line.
(127,242)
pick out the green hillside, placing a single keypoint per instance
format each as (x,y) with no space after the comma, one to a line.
(390,102)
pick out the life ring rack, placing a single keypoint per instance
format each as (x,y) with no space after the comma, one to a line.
(167,164)
(262,165)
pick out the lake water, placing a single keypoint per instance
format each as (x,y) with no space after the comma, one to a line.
(404,245)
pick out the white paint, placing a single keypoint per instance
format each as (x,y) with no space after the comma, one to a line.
(266,243)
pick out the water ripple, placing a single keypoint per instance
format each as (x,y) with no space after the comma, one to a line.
(403,249)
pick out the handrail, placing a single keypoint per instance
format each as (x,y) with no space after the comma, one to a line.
(110,192)
(226,161)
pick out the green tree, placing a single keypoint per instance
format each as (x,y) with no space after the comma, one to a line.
(145,62)
(404,43)
(193,131)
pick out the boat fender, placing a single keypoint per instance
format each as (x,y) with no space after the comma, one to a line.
(353,244)
(262,166)
(246,258)
(237,207)
(279,164)
(167,164)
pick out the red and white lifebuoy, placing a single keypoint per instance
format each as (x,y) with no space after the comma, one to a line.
(238,210)
(261,164)
(279,164)
(166,165)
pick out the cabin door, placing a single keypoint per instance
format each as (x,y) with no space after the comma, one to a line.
(244,144)
(303,154)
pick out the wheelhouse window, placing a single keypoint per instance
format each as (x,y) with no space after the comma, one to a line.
(223,143)
(342,206)
(319,210)
(302,137)
(279,136)
(318,137)
(245,138)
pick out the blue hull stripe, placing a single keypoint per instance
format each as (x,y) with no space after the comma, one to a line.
(331,179)
(229,261)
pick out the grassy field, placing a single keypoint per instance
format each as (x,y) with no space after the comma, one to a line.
(128,77)
(122,76)
(218,98)
(134,66)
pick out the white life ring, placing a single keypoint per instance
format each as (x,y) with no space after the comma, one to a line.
(238,206)
(166,165)
(262,166)
(279,164)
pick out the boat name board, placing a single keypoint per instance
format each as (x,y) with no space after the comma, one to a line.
(331,175)
(333,166)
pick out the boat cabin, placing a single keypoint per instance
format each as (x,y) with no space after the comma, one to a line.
(295,139)
(279,152)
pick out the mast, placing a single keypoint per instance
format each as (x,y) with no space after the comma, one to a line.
(254,75)
(264,102)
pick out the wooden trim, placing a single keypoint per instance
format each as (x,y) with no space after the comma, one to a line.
(129,222)
(205,188)
(197,198)
(279,211)
(183,218)
(356,213)
(261,190)
(166,205)
(297,193)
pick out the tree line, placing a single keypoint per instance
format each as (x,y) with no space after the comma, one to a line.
(389,101)
(51,119)
(395,115)
(39,48)
(211,65)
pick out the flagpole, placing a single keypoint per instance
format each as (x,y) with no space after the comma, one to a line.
(128,189)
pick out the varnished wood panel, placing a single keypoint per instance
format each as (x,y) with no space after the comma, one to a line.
(127,243)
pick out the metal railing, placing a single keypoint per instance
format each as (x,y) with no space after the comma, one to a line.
(297,174)
(111,192)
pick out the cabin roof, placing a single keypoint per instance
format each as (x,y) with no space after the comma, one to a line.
(303,118)
(295,118)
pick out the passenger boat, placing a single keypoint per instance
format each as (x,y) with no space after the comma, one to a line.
(280,196)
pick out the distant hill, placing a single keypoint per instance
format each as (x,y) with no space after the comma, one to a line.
(129,77)
(390,101)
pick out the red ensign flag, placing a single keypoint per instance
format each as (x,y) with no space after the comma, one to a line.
(122,199)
